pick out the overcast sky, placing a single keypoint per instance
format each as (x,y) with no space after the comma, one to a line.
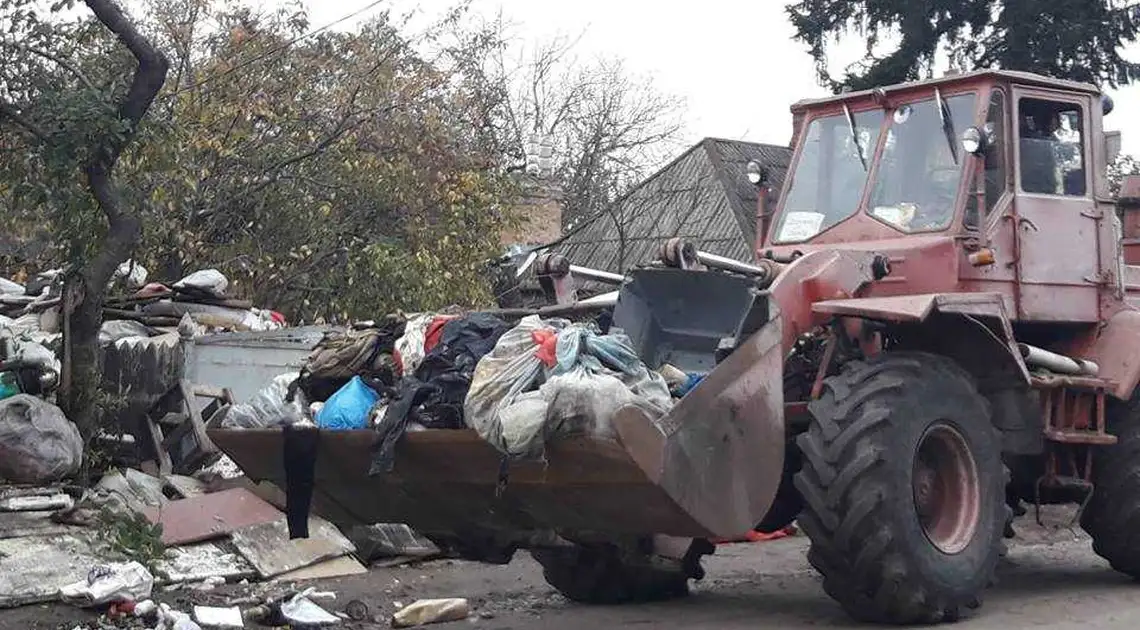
(733,61)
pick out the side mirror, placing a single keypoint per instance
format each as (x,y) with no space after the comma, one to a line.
(975,141)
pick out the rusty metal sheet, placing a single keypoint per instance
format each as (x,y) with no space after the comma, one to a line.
(719,453)
(910,308)
(210,516)
(268,548)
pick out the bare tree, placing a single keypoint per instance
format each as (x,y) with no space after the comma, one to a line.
(607,127)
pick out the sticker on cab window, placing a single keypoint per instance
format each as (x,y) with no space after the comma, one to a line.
(800,225)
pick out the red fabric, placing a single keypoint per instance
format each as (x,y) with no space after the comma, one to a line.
(277,317)
(547,341)
(399,361)
(153,289)
(755,536)
(435,331)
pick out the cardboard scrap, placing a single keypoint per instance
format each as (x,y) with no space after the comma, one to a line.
(337,567)
(269,550)
(210,516)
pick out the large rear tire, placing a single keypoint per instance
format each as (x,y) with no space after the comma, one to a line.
(903,486)
(601,574)
(1112,517)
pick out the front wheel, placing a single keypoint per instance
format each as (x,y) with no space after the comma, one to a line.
(1112,517)
(903,486)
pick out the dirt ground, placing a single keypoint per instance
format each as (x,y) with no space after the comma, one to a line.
(1050,579)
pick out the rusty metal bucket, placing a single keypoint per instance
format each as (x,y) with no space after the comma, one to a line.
(708,468)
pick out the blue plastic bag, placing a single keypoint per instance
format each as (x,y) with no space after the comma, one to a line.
(348,408)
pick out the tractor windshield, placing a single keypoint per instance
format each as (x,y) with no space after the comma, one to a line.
(830,174)
(917,179)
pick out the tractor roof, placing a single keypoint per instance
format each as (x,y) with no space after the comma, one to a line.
(1007,76)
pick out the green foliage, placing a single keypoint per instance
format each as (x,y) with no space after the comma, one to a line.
(333,176)
(1073,39)
(130,535)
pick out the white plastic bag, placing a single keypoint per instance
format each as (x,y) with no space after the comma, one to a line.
(268,407)
(38,444)
(209,281)
(411,345)
(499,381)
(132,274)
(7,287)
(125,581)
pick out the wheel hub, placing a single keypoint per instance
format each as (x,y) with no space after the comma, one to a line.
(947,494)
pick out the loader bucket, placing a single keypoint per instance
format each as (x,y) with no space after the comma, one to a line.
(709,468)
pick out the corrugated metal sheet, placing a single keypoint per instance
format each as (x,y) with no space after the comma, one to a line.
(702,196)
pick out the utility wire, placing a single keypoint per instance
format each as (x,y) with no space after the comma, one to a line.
(278,49)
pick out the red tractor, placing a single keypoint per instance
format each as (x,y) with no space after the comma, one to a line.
(938,329)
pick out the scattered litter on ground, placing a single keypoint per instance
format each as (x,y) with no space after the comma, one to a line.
(301,610)
(390,540)
(212,617)
(106,583)
(756,536)
(428,611)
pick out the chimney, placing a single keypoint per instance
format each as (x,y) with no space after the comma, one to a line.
(540,205)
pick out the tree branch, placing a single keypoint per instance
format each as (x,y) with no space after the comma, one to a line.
(63,63)
(10,113)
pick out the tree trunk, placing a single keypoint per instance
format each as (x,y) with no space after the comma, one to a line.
(86,288)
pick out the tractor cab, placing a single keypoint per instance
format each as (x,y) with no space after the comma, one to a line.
(993,169)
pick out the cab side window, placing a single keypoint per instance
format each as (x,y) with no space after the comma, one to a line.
(996,169)
(997,173)
(1052,147)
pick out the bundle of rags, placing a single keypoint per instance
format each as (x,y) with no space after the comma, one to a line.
(433,396)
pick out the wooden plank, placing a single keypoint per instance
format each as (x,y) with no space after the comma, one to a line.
(21,524)
(269,550)
(210,516)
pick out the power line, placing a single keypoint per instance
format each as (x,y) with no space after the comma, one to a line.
(278,49)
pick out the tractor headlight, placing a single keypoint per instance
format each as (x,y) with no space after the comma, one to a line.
(974,141)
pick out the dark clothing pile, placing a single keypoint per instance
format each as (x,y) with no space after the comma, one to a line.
(433,396)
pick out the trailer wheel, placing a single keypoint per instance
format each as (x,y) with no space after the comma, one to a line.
(903,486)
(598,574)
(1112,517)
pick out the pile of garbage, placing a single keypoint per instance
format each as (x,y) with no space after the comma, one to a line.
(135,307)
(516,383)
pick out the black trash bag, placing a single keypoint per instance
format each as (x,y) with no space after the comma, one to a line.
(434,395)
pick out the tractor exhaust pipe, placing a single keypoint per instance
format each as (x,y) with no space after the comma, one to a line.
(1059,363)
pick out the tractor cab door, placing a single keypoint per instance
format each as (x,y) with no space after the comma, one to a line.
(1055,219)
